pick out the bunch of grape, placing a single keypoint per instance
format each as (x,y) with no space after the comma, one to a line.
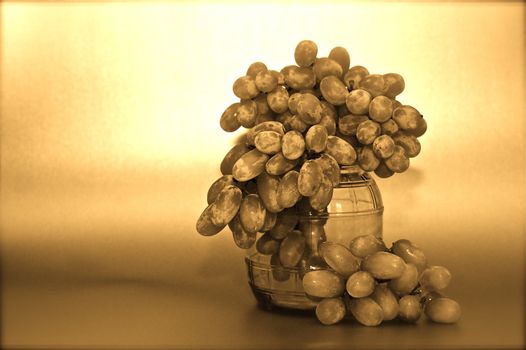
(372,284)
(305,122)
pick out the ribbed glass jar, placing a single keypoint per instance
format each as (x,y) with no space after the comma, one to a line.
(355,209)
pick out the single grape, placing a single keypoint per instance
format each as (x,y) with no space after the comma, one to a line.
(305,53)
(266,81)
(268,142)
(323,195)
(367,158)
(310,178)
(366,311)
(410,308)
(278,99)
(242,238)
(333,90)
(354,75)
(406,282)
(266,126)
(324,67)
(435,278)
(443,310)
(300,78)
(291,249)
(252,214)
(395,84)
(367,132)
(358,101)
(339,258)
(249,165)
(380,109)
(228,121)
(267,188)
(383,146)
(360,284)
(288,192)
(383,265)
(329,168)
(226,205)
(409,143)
(330,311)
(365,245)
(398,162)
(389,127)
(387,301)
(323,284)
(340,55)
(293,145)
(374,84)
(340,150)
(309,109)
(329,123)
(247,112)
(245,88)
(255,68)
(316,138)
(267,245)
(383,171)
(205,226)
(407,117)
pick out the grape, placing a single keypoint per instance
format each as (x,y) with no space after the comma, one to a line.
(293,145)
(293,102)
(279,76)
(367,158)
(354,75)
(410,308)
(266,81)
(267,186)
(367,131)
(340,55)
(310,178)
(389,127)
(204,224)
(270,221)
(245,88)
(333,90)
(421,128)
(360,284)
(348,124)
(323,284)
(398,161)
(279,273)
(409,143)
(324,67)
(285,223)
(268,142)
(295,123)
(330,311)
(407,117)
(365,245)
(288,193)
(358,101)
(266,126)
(228,121)
(435,278)
(316,138)
(328,109)
(218,186)
(366,311)
(406,282)
(387,301)
(330,168)
(323,195)
(291,249)
(252,213)
(309,109)
(340,150)
(255,68)
(267,245)
(247,112)
(383,146)
(278,99)
(396,103)
(262,106)
(305,53)
(299,78)
(226,205)
(242,238)
(380,109)
(374,84)
(279,165)
(443,310)
(383,171)
(395,84)
(329,123)
(339,258)
(249,165)
(383,265)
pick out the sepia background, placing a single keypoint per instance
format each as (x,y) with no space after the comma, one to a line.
(110,139)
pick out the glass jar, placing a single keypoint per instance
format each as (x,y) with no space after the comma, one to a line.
(355,209)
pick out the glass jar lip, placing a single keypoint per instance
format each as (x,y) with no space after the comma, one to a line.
(352,169)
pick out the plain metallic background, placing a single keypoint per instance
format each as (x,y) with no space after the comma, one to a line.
(110,139)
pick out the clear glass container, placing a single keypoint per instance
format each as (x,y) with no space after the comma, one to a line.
(355,209)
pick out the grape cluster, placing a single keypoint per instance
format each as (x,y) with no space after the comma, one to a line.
(304,123)
(371,284)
